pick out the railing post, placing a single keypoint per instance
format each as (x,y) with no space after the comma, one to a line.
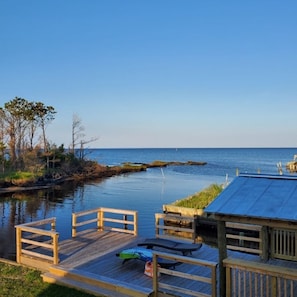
(100,220)
(18,244)
(136,223)
(228,282)
(56,248)
(157,222)
(194,224)
(155,275)
(264,243)
(73,225)
(295,244)
(125,217)
(273,286)
(222,245)
(53,225)
(214,281)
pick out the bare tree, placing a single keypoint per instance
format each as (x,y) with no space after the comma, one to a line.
(77,132)
(82,146)
(78,137)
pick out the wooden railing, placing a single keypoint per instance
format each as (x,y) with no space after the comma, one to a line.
(249,279)
(283,241)
(206,282)
(125,221)
(175,227)
(284,244)
(240,241)
(35,241)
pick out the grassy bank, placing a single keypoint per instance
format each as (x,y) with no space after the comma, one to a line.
(19,281)
(201,199)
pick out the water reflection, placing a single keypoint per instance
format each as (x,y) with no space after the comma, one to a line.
(27,206)
(144,192)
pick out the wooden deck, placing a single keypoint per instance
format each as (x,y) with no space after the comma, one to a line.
(89,262)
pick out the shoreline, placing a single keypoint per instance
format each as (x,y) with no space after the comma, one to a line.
(100,172)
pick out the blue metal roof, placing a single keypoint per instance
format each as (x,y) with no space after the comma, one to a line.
(258,196)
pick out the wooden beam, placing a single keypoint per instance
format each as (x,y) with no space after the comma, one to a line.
(222,245)
(255,221)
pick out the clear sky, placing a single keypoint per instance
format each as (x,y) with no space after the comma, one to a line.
(156,73)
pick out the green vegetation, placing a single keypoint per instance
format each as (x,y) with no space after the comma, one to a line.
(19,177)
(27,156)
(201,199)
(19,281)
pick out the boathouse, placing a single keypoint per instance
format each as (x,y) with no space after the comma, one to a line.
(268,202)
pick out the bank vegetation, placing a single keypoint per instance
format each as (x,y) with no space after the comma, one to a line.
(29,159)
(200,199)
(20,281)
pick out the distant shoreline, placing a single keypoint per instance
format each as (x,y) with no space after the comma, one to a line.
(101,172)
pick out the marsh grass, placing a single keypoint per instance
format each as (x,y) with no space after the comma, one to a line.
(20,178)
(200,199)
(20,281)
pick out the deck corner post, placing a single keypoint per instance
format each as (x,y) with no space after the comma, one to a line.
(18,244)
(222,245)
(56,248)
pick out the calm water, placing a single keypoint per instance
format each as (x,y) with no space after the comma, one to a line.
(145,192)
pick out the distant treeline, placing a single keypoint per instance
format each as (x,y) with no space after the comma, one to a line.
(22,130)
(24,146)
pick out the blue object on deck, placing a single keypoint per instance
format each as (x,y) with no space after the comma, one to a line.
(144,255)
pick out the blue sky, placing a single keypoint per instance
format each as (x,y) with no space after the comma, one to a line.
(163,73)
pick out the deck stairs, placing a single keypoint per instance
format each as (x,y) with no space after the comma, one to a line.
(93,283)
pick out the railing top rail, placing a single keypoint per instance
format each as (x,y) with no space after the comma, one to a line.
(85,212)
(38,231)
(119,211)
(104,209)
(184,259)
(174,217)
(37,223)
(284,272)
